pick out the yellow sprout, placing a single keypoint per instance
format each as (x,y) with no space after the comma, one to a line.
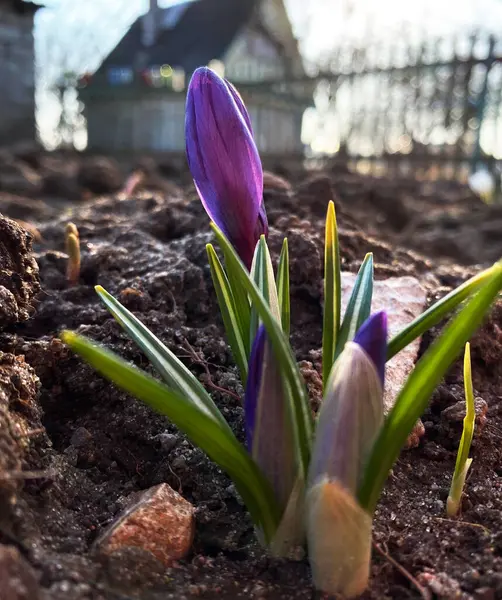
(463,461)
(72,240)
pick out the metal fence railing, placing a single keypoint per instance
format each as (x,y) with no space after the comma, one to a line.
(432,108)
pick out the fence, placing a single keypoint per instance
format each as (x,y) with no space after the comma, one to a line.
(429,107)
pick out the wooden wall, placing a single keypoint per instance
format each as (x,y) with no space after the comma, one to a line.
(17,100)
(157,124)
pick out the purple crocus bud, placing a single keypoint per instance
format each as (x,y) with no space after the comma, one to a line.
(349,420)
(351,415)
(372,337)
(224,160)
(269,435)
(352,410)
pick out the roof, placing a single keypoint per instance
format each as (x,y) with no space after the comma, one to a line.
(189,34)
(20,6)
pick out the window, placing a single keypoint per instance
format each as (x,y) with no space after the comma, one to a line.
(120,75)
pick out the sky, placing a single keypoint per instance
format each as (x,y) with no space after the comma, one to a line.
(79,33)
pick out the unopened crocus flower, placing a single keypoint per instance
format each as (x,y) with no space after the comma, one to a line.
(268,434)
(224,160)
(351,415)
(270,440)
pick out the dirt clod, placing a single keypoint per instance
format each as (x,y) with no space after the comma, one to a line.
(20,421)
(17,578)
(100,175)
(19,278)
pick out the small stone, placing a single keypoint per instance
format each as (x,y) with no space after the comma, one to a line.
(179,463)
(439,504)
(167,441)
(456,412)
(133,299)
(160,521)
(258,590)
(416,434)
(80,437)
(313,382)
(17,579)
(434,451)
(440,584)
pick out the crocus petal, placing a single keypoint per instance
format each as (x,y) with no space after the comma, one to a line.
(349,420)
(240,104)
(339,540)
(372,337)
(224,160)
(268,427)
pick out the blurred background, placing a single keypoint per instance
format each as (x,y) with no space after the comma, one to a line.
(391,88)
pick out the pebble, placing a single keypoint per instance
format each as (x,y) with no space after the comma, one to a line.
(167,441)
(440,584)
(160,521)
(80,437)
(456,412)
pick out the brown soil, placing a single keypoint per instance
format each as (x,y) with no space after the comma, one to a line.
(100,446)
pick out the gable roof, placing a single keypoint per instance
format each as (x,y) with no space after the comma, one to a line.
(21,6)
(189,34)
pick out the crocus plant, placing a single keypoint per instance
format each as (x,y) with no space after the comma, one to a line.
(307,480)
(221,141)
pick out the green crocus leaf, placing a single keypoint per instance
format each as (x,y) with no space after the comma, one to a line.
(359,306)
(332,293)
(283,288)
(229,314)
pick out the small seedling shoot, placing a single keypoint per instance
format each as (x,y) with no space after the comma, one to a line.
(72,242)
(463,462)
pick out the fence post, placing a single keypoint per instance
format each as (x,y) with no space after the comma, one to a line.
(481,105)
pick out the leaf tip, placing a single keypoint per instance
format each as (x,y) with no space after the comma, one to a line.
(68,336)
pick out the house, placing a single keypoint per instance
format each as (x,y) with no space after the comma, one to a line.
(17,67)
(136,98)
